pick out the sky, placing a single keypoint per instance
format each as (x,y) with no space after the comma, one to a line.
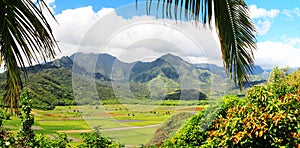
(118,28)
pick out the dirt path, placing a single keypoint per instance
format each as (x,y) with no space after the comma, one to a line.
(110,129)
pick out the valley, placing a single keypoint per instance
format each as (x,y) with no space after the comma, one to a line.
(118,121)
(87,78)
(128,101)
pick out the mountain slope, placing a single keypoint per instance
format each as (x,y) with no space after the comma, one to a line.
(167,77)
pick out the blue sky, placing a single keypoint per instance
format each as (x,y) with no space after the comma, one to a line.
(277,23)
(281,25)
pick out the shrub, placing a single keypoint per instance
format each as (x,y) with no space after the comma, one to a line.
(270,118)
(26,137)
(59,141)
(169,128)
(195,133)
(96,140)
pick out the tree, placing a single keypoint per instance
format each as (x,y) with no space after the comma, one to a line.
(233,26)
(25,37)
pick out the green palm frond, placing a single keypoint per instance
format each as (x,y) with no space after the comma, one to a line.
(235,30)
(25,37)
(233,25)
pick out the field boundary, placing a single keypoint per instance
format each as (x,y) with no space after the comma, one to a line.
(109,129)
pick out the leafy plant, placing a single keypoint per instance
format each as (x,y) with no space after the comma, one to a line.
(169,128)
(96,140)
(270,118)
(26,137)
(195,133)
(25,34)
(60,141)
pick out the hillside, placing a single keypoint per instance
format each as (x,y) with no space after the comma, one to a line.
(86,78)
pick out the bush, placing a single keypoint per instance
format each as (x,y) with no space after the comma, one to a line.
(26,137)
(195,133)
(169,128)
(270,118)
(59,141)
(96,140)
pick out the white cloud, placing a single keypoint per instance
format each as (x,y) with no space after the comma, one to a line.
(72,25)
(146,38)
(131,39)
(262,18)
(294,41)
(256,12)
(263,26)
(292,13)
(270,54)
(287,12)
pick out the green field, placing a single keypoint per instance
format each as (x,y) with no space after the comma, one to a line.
(129,124)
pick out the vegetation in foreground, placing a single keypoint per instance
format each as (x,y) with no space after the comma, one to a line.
(268,117)
(26,137)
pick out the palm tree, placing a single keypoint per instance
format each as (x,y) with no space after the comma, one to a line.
(25,37)
(233,25)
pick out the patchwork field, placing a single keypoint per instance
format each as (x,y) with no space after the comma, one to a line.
(129,124)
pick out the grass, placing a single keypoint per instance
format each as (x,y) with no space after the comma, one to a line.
(64,125)
(132,137)
(12,124)
(72,118)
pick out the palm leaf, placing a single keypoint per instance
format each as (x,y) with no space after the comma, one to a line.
(234,28)
(25,37)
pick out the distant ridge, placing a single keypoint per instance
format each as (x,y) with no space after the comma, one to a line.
(51,83)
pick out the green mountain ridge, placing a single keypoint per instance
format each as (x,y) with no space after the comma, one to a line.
(69,80)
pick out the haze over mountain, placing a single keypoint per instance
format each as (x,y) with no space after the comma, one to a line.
(167,77)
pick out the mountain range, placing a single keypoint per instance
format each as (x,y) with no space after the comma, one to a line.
(168,77)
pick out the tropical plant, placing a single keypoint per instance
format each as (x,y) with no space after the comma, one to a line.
(195,132)
(270,118)
(233,26)
(25,37)
(26,136)
(96,140)
(169,128)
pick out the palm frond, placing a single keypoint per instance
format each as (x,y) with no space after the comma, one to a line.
(234,28)
(26,37)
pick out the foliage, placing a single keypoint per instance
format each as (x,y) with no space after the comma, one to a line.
(195,133)
(96,140)
(59,141)
(26,137)
(270,118)
(51,84)
(169,128)
(233,26)
(277,76)
(25,34)
(293,79)
(189,94)
(5,137)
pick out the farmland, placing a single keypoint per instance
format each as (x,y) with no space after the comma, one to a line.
(129,124)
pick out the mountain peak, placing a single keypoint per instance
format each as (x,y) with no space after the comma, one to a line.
(173,59)
(170,56)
